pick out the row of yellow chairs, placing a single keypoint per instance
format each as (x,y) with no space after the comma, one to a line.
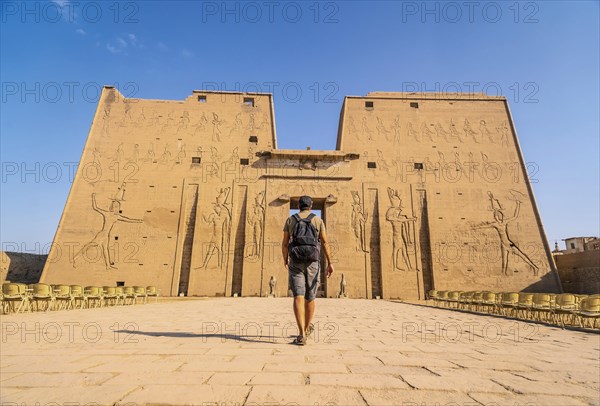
(565,308)
(19,297)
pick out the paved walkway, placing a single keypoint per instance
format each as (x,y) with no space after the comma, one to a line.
(236,351)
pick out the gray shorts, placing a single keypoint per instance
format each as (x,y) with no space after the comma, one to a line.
(304,279)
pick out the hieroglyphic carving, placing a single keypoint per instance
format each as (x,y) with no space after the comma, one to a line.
(166,155)
(381,130)
(256,222)
(500,224)
(136,153)
(220,221)
(359,222)
(119,153)
(402,233)
(102,239)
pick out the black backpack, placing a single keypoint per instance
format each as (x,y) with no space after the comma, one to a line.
(305,243)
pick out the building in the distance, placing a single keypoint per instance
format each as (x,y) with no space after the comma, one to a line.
(579,264)
(422,191)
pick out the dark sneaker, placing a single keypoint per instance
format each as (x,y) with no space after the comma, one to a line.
(300,340)
(310,330)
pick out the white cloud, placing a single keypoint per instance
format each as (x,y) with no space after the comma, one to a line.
(162,47)
(80,31)
(60,3)
(121,42)
(186,53)
(132,39)
(113,49)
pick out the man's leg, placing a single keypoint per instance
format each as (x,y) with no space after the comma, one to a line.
(309,311)
(300,314)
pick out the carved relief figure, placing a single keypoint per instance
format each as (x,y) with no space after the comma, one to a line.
(382,163)
(396,128)
(106,121)
(264,122)
(427,132)
(500,224)
(102,239)
(469,132)
(381,130)
(503,130)
(484,131)
(402,231)
(150,155)
(359,222)
(365,128)
(256,220)
(136,153)
(119,153)
(441,132)
(184,121)
(219,220)
(237,126)
(251,123)
(216,122)
(181,153)
(201,125)
(166,155)
(412,132)
(454,131)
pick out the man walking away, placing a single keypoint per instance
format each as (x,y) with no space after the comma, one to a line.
(303,235)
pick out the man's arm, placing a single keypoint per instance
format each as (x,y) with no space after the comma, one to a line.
(284,247)
(325,245)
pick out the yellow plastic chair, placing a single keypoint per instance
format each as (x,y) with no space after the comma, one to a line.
(128,293)
(509,303)
(41,292)
(111,298)
(476,301)
(140,292)
(62,294)
(15,294)
(464,300)
(443,297)
(589,309)
(120,292)
(524,305)
(93,296)
(453,297)
(77,295)
(489,302)
(565,305)
(151,291)
(541,305)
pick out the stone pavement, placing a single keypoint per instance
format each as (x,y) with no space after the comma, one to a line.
(237,351)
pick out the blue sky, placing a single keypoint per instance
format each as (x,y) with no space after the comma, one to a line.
(55,56)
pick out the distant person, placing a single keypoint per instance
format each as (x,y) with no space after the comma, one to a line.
(303,235)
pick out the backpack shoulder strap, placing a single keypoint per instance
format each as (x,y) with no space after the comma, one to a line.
(297,217)
(311,216)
